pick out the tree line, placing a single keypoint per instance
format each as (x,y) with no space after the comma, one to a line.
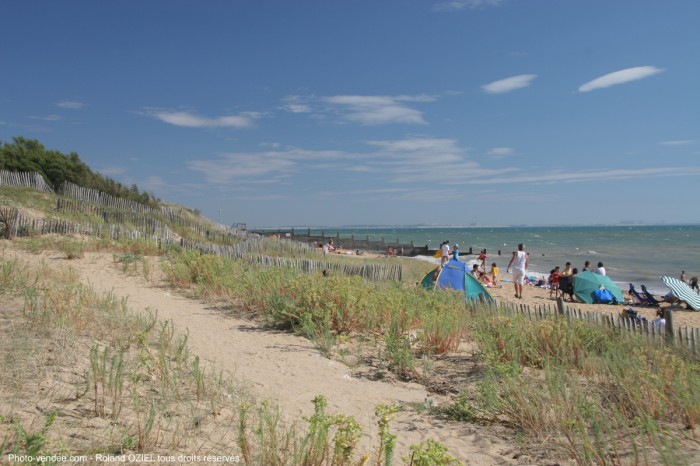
(29,155)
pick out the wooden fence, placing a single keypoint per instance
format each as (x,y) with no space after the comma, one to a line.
(27,226)
(94,200)
(30,180)
(683,337)
(251,250)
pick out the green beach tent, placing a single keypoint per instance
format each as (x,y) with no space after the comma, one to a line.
(586,284)
(455,275)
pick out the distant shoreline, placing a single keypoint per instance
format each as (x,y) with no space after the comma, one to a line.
(410,227)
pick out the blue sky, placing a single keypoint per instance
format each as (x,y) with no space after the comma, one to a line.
(327,112)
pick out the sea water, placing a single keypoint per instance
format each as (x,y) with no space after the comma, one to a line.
(631,254)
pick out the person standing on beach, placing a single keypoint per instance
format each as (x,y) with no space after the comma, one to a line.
(554,277)
(455,252)
(567,270)
(519,262)
(445,252)
(682,277)
(694,284)
(482,258)
(494,273)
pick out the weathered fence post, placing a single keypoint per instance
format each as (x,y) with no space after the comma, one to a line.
(561,307)
(670,332)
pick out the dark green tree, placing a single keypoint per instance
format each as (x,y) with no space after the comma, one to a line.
(29,155)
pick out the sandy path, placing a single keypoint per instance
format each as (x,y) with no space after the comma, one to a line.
(288,368)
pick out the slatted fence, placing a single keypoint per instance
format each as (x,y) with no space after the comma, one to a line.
(683,337)
(251,250)
(30,180)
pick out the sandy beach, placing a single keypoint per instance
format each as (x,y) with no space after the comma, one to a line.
(534,296)
(288,369)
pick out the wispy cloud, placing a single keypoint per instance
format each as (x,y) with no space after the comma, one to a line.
(598,175)
(190,120)
(296,104)
(424,159)
(620,77)
(378,110)
(501,151)
(70,104)
(508,84)
(678,142)
(46,118)
(419,162)
(246,166)
(457,5)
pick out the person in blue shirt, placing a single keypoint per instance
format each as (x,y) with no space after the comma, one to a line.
(455,252)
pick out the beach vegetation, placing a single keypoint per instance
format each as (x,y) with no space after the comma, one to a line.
(29,155)
(600,395)
(574,381)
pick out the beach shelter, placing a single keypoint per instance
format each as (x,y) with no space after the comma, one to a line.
(683,292)
(454,275)
(586,284)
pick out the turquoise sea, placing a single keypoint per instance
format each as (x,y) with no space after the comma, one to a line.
(631,254)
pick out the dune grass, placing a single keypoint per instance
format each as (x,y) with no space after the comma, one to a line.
(603,396)
(135,379)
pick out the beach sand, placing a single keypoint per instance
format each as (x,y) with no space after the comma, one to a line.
(537,297)
(288,369)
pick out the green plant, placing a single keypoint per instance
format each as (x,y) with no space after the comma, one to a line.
(319,333)
(387,441)
(72,249)
(430,453)
(145,421)
(199,378)
(27,443)
(398,347)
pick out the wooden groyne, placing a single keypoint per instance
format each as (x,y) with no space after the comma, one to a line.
(352,242)
(356,243)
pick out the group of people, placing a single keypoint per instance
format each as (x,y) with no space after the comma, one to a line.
(489,278)
(692,283)
(561,283)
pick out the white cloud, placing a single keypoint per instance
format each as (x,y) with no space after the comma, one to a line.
(71,104)
(457,5)
(46,118)
(580,176)
(501,151)
(298,108)
(508,84)
(620,77)
(378,110)
(416,161)
(296,104)
(246,166)
(679,142)
(190,120)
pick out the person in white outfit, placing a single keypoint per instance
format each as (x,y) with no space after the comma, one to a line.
(445,253)
(601,269)
(660,321)
(519,262)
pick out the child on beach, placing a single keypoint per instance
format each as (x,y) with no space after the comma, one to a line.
(482,258)
(554,282)
(494,273)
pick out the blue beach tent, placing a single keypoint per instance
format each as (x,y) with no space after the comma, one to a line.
(455,275)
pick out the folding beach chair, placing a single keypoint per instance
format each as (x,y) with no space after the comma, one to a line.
(650,297)
(638,297)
